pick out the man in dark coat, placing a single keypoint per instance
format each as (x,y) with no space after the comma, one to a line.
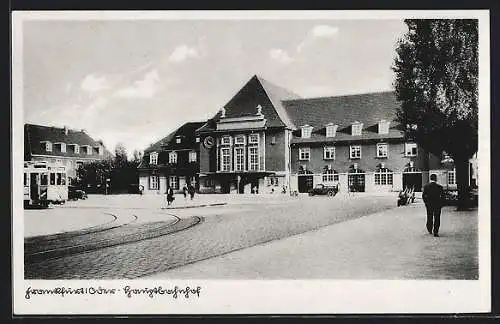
(433,199)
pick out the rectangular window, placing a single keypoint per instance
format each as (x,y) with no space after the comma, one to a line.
(356,129)
(226,140)
(153,158)
(355,151)
(383,178)
(89,150)
(304,153)
(239,159)
(48,146)
(44,179)
(172,157)
(63,179)
(197,139)
(77,149)
(452,179)
(192,156)
(411,149)
(331,130)
(382,149)
(178,140)
(225,159)
(153,182)
(63,147)
(273,140)
(240,139)
(253,139)
(26,179)
(52,178)
(253,158)
(79,164)
(58,179)
(173,182)
(329,153)
(306,131)
(209,183)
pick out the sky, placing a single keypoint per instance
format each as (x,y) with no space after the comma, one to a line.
(135,81)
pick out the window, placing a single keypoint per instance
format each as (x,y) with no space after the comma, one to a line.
(452,179)
(52,178)
(173,182)
(48,146)
(240,139)
(225,159)
(101,150)
(77,149)
(89,149)
(172,157)
(226,140)
(58,178)
(26,179)
(273,140)
(63,147)
(192,156)
(306,131)
(253,139)
(383,127)
(382,149)
(331,130)
(153,158)
(355,151)
(383,178)
(304,153)
(411,149)
(273,181)
(44,179)
(239,159)
(153,182)
(197,139)
(253,158)
(178,140)
(79,164)
(209,182)
(330,176)
(329,153)
(356,129)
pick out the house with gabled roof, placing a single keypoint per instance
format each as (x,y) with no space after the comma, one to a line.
(62,146)
(172,161)
(266,139)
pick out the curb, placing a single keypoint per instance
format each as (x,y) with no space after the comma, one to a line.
(195,206)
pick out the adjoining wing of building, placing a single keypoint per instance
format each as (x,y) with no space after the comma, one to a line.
(267,139)
(62,146)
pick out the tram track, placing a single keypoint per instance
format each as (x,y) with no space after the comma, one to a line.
(119,235)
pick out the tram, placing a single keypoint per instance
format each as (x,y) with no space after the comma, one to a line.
(44,184)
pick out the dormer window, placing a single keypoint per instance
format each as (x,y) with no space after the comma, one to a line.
(178,140)
(89,149)
(226,140)
(153,158)
(99,149)
(356,128)
(48,146)
(172,157)
(383,127)
(62,147)
(306,131)
(331,130)
(76,148)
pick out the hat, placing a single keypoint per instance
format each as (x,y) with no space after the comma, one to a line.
(433,177)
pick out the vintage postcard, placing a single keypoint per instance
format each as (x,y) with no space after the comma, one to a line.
(251,162)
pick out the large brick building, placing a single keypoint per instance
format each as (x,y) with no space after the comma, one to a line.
(266,139)
(62,146)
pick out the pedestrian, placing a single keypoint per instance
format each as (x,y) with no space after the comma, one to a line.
(433,199)
(191,191)
(185,191)
(141,189)
(170,195)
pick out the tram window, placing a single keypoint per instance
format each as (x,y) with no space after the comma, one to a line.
(58,179)
(63,179)
(52,179)
(25,179)
(43,179)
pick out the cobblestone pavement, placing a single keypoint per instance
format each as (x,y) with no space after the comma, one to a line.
(220,233)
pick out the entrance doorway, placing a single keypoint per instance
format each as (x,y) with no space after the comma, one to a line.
(356,182)
(412,179)
(305,183)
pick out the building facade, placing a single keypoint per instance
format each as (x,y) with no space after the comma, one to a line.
(62,147)
(171,162)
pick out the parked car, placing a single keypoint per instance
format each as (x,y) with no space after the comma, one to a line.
(74,193)
(322,189)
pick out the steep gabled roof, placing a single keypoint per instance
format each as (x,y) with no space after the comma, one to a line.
(368,108)
(35,134)
(257,91)
(187,134)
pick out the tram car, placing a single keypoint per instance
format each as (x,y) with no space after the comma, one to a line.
(44,184)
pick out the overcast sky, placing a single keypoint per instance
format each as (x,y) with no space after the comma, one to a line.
(136,81)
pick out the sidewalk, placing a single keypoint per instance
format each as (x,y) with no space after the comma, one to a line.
(389,245)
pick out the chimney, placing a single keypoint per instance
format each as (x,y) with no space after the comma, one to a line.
(65,130)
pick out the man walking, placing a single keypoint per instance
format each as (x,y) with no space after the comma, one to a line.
(433,199)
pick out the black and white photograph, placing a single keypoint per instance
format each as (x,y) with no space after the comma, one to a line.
(251,162)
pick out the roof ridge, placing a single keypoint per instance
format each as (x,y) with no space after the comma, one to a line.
(343,96)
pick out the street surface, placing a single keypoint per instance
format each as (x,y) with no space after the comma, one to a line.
(270,237)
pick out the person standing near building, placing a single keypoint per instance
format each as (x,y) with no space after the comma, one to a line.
(433,199)
(170,195)
(191,191)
